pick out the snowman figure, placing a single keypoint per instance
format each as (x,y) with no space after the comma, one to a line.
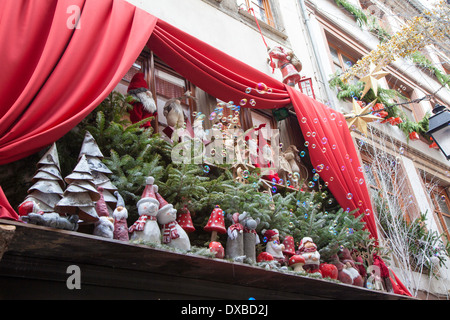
(146,228)
(172,233)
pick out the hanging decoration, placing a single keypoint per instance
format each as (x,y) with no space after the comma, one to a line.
(371,79)
(361,116)
(416,33)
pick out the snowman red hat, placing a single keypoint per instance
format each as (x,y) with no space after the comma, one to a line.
(164,206)
(149,192)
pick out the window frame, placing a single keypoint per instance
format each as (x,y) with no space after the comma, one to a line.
(266,7)
(441,192)
(340,54)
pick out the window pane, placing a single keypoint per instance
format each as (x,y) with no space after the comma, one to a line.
(335,56)
(440,200)
(347,62)
(447,222)
(409,114)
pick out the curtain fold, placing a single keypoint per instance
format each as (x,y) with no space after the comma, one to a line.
(334,156)
(214,71)
(54,72)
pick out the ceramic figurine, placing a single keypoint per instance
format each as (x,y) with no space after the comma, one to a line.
(251,238)
(235,241)
(146,228)
(144,105)
(172,233)
(120,216)
(308,250)
(274,247)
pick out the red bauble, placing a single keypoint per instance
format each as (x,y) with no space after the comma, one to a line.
(328,270)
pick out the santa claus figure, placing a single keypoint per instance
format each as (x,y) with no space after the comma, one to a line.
(274,247)
(288,64)
(308,250)
(144,105)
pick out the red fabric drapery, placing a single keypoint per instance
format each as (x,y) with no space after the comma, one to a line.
(56,75)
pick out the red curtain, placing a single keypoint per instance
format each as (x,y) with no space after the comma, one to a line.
(226,78)
(333,155)
(212,70)
(54,73)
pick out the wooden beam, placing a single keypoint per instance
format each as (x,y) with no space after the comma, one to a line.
(6,234)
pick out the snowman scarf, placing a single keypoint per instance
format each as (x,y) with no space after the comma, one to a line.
(170,232)
(140,223)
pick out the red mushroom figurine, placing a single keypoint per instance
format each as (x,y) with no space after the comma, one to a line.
(217,248)
(264,256)
(184,219)
(296,262)
(216,223)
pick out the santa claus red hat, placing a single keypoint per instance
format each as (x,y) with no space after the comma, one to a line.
(137,82)
(270,233)
(149,192)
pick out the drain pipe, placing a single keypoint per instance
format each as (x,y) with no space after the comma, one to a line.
(323,76)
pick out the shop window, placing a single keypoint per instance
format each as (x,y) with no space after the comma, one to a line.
(261,8)
(441,203)
(163,82)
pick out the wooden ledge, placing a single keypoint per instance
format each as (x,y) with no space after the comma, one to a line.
(38,257)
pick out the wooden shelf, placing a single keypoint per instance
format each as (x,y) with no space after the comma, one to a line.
(34,266)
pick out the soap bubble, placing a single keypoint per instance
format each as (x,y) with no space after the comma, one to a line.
(261,88)
(248,90)
(252,102)
(304,120)
(243,102)
(349,196)
(206,169)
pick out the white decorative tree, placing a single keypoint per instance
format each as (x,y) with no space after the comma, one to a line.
(81,193)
